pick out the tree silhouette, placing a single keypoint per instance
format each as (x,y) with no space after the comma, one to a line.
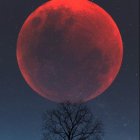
(71,122)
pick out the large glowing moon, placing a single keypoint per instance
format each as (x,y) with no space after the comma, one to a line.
(69,50)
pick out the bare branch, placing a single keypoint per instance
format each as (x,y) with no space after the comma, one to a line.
(71,122)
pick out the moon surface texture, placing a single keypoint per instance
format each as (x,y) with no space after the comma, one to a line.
(69,50)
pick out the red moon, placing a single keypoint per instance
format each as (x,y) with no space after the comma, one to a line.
(69,50)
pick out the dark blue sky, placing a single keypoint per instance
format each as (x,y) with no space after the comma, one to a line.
(21,108)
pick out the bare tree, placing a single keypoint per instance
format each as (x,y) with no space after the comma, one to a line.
(71,122)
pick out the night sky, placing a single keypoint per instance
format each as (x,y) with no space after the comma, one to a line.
(21,109)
